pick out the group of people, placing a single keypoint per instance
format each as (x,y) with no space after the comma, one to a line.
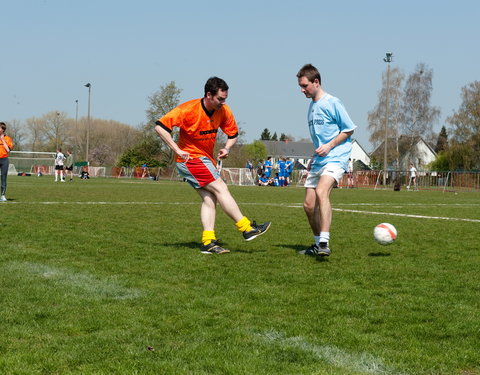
(281,178)
(63,165)
(199,120)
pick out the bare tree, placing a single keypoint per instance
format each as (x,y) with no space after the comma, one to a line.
(54,128)
(162,102)
(377,117)
(465,122)
(17,133)
(418,115)
(35,127)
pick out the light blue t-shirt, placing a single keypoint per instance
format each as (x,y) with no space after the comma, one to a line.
(326,119)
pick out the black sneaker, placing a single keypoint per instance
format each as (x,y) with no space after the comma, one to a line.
(323,250)
(311,251)
(256,231)
(213,248)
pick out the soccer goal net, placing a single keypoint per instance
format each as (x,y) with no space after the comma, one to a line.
(31,162)
(237,176)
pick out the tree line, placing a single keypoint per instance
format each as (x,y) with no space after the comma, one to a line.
(409,115)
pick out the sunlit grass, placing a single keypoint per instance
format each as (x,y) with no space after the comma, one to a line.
(105,277)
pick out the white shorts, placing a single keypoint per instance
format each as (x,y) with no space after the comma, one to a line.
(334,170)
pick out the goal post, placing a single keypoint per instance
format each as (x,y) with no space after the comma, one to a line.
(31,162)
(237,176)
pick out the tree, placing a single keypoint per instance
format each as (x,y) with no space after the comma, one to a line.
(418,116)
(36,134)
(442,140)
(54,128)
(274,137)
(265,136)
(255,151)
(16,132)
(162,101)
(378,116)
(465,124)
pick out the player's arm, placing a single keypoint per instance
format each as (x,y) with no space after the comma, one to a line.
(4,143)
(225,151)
(325,148)
(168,139)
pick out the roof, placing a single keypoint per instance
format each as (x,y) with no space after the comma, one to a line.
(289,149)
(303,150)
(405,143)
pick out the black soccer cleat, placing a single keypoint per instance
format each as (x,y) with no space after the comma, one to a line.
(214,248)
(257,230)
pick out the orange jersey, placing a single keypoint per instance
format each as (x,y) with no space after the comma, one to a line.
(198,128)
(9,143)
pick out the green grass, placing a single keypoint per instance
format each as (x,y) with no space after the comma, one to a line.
(94,272)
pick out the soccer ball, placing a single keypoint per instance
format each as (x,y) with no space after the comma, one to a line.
(385,233)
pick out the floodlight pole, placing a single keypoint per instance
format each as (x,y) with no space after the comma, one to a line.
(388,60)
(76,124)
(88,122)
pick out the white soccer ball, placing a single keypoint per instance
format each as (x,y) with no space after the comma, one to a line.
(385,233)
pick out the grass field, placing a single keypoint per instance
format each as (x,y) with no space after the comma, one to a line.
(105,277)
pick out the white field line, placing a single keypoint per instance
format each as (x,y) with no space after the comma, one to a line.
(290,205)
(362,363)
(408,215)
(80,283)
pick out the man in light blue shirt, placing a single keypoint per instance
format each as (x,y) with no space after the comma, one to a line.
(330,128)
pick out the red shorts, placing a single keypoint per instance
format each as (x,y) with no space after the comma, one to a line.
(198,172)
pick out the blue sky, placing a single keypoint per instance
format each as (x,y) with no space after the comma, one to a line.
(128,49)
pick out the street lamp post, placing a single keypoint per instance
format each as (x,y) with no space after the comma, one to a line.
(388,60)
(88,121)
(76,125)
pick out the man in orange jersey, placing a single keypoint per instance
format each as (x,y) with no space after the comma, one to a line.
(199,121)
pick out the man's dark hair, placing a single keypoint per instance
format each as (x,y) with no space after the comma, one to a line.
(214,84)
(310,72)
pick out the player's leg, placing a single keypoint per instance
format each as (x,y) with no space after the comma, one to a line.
(311,208)
(4,172)
(322,192)
(250,230)
(219,189)
(208,209)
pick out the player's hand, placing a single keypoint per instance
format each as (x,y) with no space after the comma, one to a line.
(184,155)
(223,153)
(323,150)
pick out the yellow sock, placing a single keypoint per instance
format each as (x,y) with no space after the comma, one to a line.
(208,236)
(244,225)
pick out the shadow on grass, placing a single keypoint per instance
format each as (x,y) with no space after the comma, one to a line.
(297,248)
(188,245)
(379,254)
(196,246)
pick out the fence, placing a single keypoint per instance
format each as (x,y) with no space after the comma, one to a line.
(426,180)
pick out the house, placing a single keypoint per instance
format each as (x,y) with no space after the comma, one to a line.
(359,153)
(407,150)
(302,152)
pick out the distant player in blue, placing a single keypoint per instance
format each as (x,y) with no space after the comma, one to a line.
(282,171)
(275,180)
(267,167)
(330,128)
(289,169)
